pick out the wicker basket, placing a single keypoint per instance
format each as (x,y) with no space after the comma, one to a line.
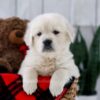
(71,94)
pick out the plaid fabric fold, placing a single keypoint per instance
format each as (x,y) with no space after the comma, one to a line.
(11,88)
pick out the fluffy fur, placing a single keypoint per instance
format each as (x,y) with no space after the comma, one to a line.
(54,59)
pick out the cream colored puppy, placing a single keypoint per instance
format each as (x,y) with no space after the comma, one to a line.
(48,37)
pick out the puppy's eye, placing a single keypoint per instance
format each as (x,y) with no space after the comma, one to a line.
(39,34)
(56,32)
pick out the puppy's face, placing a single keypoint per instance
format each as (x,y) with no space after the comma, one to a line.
(48,34)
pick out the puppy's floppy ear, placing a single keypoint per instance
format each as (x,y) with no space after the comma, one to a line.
(70,32)
(28,36)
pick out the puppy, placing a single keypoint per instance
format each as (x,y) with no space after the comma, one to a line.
(49,37)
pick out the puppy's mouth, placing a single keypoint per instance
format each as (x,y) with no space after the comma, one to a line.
(48,49)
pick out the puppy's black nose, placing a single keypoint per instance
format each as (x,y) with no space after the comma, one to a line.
(47,42)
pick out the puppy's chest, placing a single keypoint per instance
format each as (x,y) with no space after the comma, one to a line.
(47,66)
(47,62)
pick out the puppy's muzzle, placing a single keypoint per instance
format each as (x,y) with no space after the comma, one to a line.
(47,45)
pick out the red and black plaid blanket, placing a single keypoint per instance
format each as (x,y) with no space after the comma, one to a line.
(11,88)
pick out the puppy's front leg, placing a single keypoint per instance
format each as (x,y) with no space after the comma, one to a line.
(30,79)
(58,80)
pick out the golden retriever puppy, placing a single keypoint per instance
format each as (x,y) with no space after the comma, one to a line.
(49,37)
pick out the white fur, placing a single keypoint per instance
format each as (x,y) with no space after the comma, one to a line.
(58,63)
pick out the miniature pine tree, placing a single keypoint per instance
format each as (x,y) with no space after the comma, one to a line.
(80,53)
(93,70)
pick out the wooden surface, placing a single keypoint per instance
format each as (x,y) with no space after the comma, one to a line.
(79,12)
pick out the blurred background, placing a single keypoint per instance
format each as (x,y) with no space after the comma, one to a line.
(84,15)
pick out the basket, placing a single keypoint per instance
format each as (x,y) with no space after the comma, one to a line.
(71,94)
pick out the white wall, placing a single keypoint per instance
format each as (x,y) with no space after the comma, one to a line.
(84,13)
(78,12)
(7,8)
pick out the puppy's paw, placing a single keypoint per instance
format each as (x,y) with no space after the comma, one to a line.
(56,87)
(69,83)
(29,87)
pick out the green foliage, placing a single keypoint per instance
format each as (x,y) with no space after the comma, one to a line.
(93,71)
(79,49)
(80,52)
(88,63)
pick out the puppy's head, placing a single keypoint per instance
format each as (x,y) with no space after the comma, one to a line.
(49,34)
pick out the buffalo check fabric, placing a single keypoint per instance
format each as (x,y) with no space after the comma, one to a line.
(11,88)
